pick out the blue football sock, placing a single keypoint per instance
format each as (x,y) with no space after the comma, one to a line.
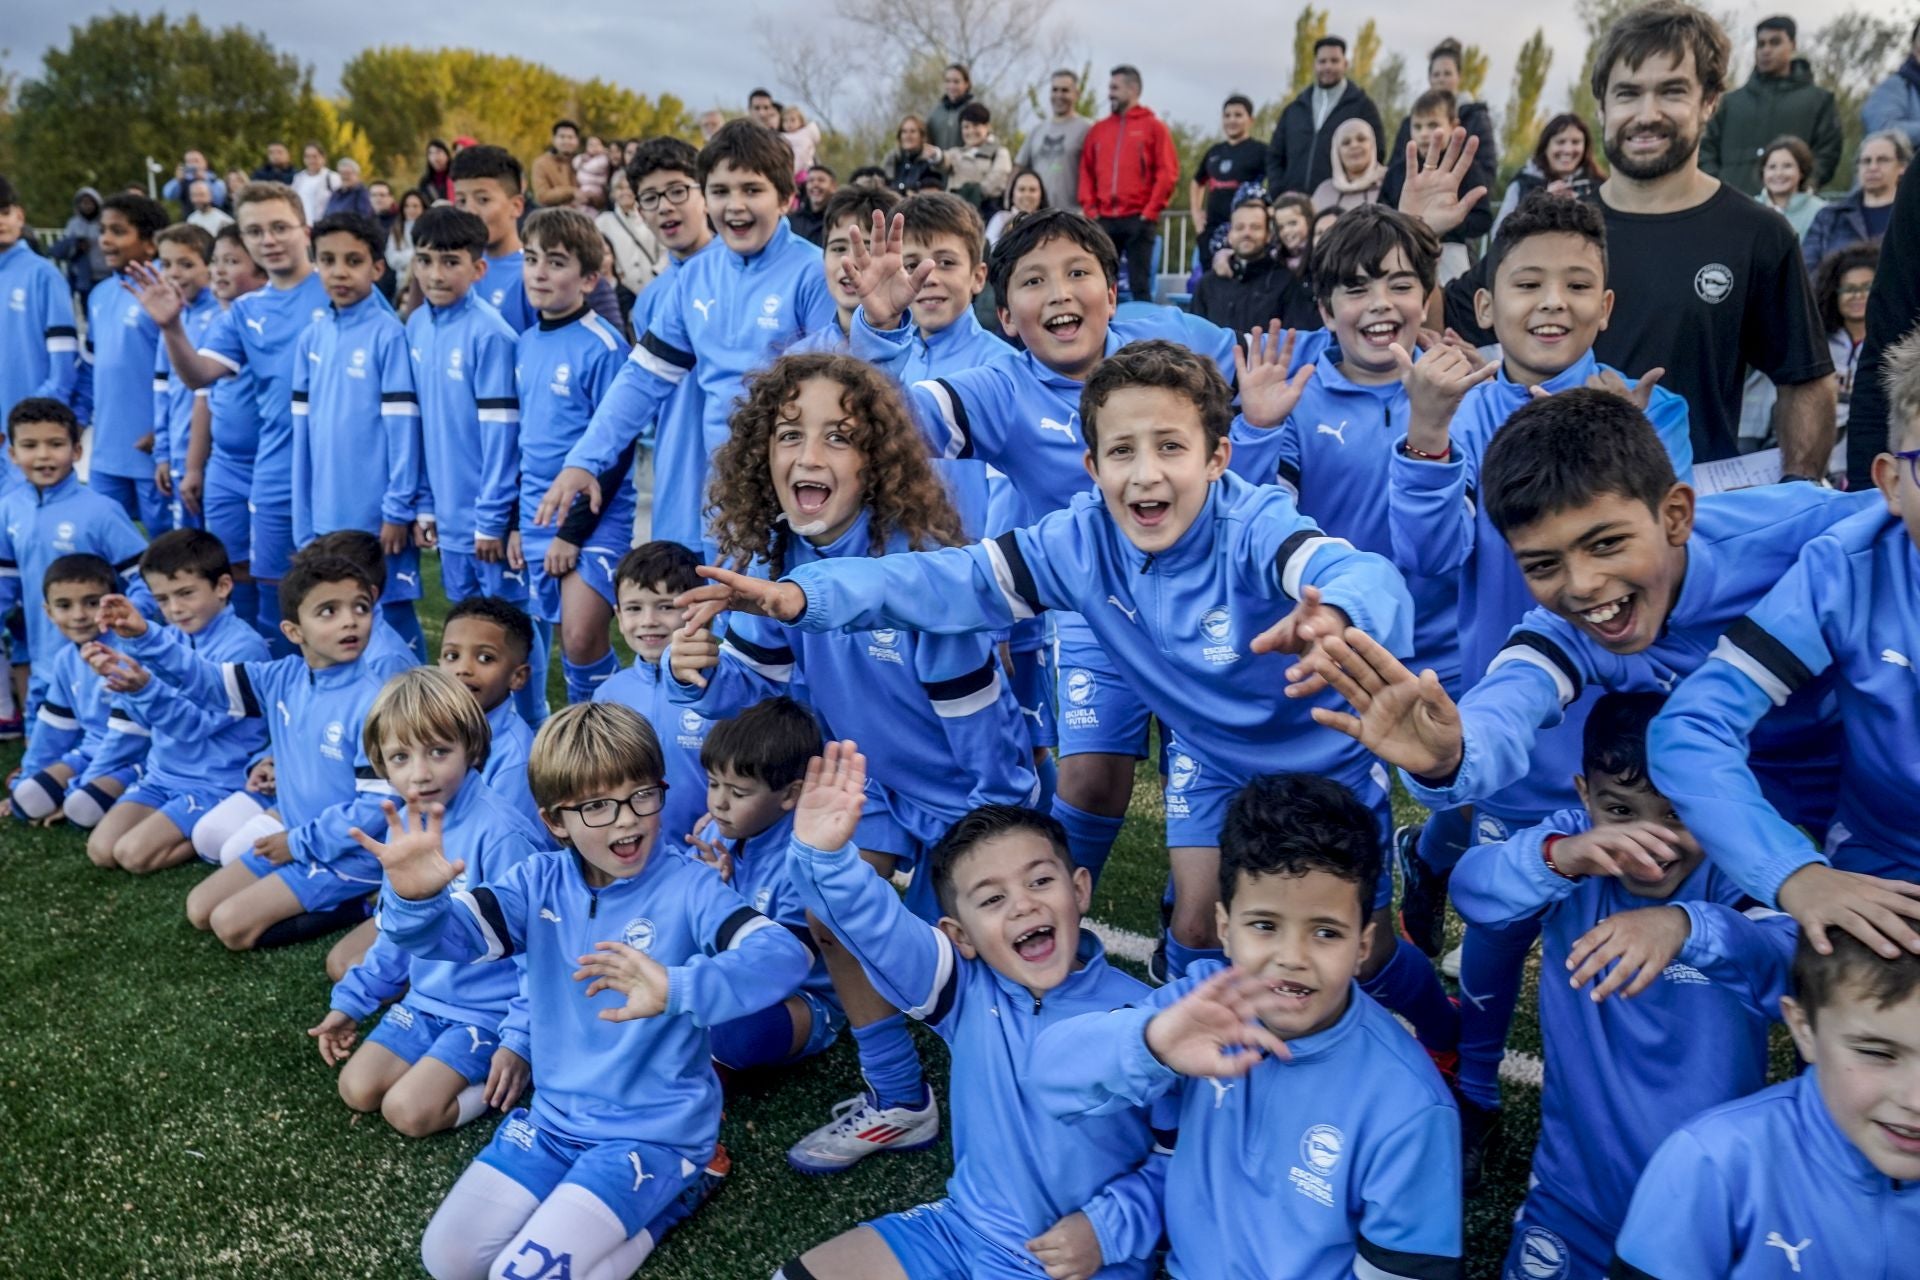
(1180,956)
(1049,774)
(246,600)
(1090,837)
(757,1040)
(890,1063)
(531,700)
(401,617)
(1444,839)
(583,680)
(1409,986)
(1492,964)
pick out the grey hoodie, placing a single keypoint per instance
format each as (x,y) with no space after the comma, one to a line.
(79,244)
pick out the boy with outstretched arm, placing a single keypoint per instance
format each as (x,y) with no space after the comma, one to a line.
(1636,582)
(196,755)
(626,1106)
(1178,570)
(565,367)
(120,347)
(1324,1144)
(1817,1177)
(185,254)
(1660,980)
(441,1055)
(356,417)
(1847,613)
(304,876)
(650,580)
(1007,961)
(68,770)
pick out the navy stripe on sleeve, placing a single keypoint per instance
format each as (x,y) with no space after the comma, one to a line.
(723,936)
(1290,475)
(967,694)
(761,655)
(497,402)
(1397,1264)
(666,351)
(958,405)
(299,396)
(62,331)
(1017,565)
(399,397)
(1748,636)
(493,918)
(1543,651)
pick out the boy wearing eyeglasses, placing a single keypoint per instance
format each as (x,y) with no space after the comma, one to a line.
(619,1143)
(1848,613)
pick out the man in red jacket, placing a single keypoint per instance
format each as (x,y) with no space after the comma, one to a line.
(1127,174)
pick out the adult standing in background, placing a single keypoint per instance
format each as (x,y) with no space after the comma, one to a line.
(315,183)
(554,184)
(351,196)
(436,178)
(1127,175)
(1779,99)
(943,122)
(279,165)
(1053,149)
(1476,117)
(710,121)
(203,212)
(1241,158)
(1895,101)
(1893,309)
(1300,157)
(1865,212)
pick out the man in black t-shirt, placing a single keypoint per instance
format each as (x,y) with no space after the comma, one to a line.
(1707,283)
(1241,158)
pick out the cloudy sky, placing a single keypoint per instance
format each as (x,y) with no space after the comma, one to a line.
(679,48)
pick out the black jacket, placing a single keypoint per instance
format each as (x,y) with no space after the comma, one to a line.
(1300,157)
(1892,311)
(1258,291)
(1477,120)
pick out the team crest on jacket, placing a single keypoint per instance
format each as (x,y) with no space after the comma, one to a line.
(357,363)
(562,375)
(17,300)
(1080,688)
(693,729)
(638,934)
(769,317)
(62,536)
(1216,634)
(1321,1147)
(885,646)
(331,739)
(1543,1255)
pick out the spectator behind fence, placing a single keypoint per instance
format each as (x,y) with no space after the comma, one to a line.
(1127,174)
(943,122)
(1895,101)
(1227,165)
(1786,182)
(1778,99)
(1052,149)
(1864,212)
(1300,157)
(352,195)
(1562,164)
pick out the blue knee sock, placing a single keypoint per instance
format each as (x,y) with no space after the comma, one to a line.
(1179,956)
(1444,838)
(889,1062)
(1409,986)
(401,617)
(1049,774)
(583,679)
(1090,837)
(531,701)
(757,1040)
(246,600)
(1492,964)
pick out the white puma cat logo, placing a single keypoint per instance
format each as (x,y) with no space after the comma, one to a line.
(1777,1241)
(1338,433)
(1220,1088)
(1064,428)
(550,915)
(411,580)
(1896,657)
(1133,615)
(703,306)
(257,324)
(639,1175)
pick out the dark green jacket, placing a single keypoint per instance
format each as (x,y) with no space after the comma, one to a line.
(1765,108)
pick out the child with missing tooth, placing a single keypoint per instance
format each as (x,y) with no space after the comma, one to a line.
(1685,975)
(1007,963)
(440,1055)
(619,1143)
(823,468)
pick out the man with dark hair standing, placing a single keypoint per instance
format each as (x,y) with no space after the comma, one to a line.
(554,185)
(1127,174)
(1778,100)
(1300,157)
(1053,148)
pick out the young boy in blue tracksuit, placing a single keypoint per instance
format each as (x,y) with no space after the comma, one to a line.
(755,763)
(67,770)
(1007,964)
(565,367)
(1316,1139)
(356,417)
(1847,614)
(438,1057)
(484,645)
(729,311)
(232,412)
(122,342)
(488,183)
(463,355)
(626,1106)
(1676,975)
(649,579)
(185,254)
(305,876)
(844,219)
(50,514)
(39,343)
(1547,302)
(1191,581)
(665,177)
(1817,1177)
(196,755)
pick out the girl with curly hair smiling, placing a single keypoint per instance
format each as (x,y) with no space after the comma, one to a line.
(823,463)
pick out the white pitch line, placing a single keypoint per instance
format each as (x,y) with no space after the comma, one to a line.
(1517,1067)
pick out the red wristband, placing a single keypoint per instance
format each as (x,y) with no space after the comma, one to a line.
(1546,855)
(1423,455)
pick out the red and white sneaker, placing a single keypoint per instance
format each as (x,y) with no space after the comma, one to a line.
(862,1127)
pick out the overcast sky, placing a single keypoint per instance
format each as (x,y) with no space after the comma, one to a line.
(1189,63)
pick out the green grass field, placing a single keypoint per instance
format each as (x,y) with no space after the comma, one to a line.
(163,1113)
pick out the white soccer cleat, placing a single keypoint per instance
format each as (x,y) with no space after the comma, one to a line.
(861,1127)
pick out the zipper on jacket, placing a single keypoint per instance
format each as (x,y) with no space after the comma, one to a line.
(593,903)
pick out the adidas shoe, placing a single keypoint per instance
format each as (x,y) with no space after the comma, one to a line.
(1423,893)
(862,1127)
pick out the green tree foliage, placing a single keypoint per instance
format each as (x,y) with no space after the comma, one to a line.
(1473,71)
(1366,52)
(1596,16)
(1392,92)
(127,87)
(401,97)
(1308,27)
(1523,120)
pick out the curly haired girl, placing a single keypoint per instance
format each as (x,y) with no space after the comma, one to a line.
(823,463)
